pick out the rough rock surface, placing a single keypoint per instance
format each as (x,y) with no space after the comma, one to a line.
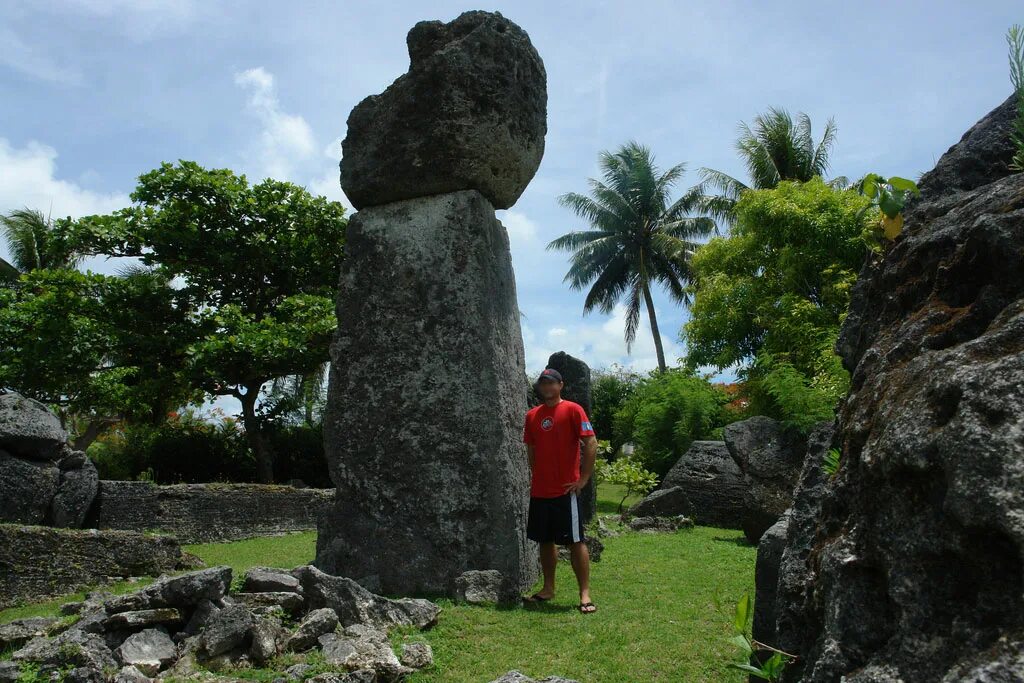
(665,502)
(148,651)
(766,580)
(16,633)
(26,489)
(76,491)
(712,483)
(577,382)
(28,429)
(31,569)
(770,457)
(471,114)
(359,648)
(356,605)
(263,580)
(516,677)
(187,589)
(201,513)
(417,655)
(917,561)
(481,587)
(430,467)
(315,624)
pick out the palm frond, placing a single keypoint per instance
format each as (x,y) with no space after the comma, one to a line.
(633,312)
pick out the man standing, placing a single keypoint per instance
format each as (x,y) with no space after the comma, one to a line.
(552,432)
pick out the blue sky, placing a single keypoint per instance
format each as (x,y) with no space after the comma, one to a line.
(95,92)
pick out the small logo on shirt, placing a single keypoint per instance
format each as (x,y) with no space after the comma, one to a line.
(587,427)
(546,424)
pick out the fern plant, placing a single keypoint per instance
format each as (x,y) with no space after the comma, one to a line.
(1015,40)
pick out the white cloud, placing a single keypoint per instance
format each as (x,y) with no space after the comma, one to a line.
(522,232)
(28,177)
(600,344)
(286,139)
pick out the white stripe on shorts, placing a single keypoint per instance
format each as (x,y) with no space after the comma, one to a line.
(575,518)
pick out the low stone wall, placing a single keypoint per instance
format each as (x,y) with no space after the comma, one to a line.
(197,513)
(38,562)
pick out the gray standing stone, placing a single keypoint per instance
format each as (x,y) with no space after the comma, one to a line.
(28,429)
(577,382)
(424,442)
(712,483)
(471,113)
(148,651)
(26,489)
(766,581)
(79,482)
(770,457)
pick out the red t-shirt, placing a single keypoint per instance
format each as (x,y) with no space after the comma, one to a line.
(555,435)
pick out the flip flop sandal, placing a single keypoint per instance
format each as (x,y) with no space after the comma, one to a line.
(585,605)
(536,598)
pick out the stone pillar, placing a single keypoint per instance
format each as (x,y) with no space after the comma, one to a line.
(423,428)
(576,376)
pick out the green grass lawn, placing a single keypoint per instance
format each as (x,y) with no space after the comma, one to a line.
(656,618)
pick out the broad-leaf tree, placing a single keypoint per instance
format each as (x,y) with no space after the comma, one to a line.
(260,262)
(777,288)
(638,237)
(775,148)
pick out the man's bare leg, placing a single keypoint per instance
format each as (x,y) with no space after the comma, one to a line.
(580,556)
(548,562)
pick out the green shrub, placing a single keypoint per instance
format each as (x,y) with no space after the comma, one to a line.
(666,413)
(628,473)
(610,388)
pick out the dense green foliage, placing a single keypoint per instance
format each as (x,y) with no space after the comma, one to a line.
(236,290)
(776,290)
(775,149)
(666,413)
(638,238)
(1015,40)
(609,390)
(34,244)
(193,448)
(96,346)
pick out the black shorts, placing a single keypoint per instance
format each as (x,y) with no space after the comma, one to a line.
(555,520)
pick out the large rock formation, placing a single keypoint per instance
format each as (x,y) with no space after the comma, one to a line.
(471,113)
(28,429)
(423,428)
(915,572)
(712,488)
(770,456)
(423,431)
(576,378)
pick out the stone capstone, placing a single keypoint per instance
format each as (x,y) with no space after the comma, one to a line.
(143,618)
(712,482)
(770,457)
(28,429)
(263,580)
(177,591)
(26,489)
(470,114)
(431,281)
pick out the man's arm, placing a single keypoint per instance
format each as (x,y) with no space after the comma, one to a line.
(587,466)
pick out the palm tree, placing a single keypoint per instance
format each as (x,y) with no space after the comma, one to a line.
(638,237)
(776,148)
(33,242)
